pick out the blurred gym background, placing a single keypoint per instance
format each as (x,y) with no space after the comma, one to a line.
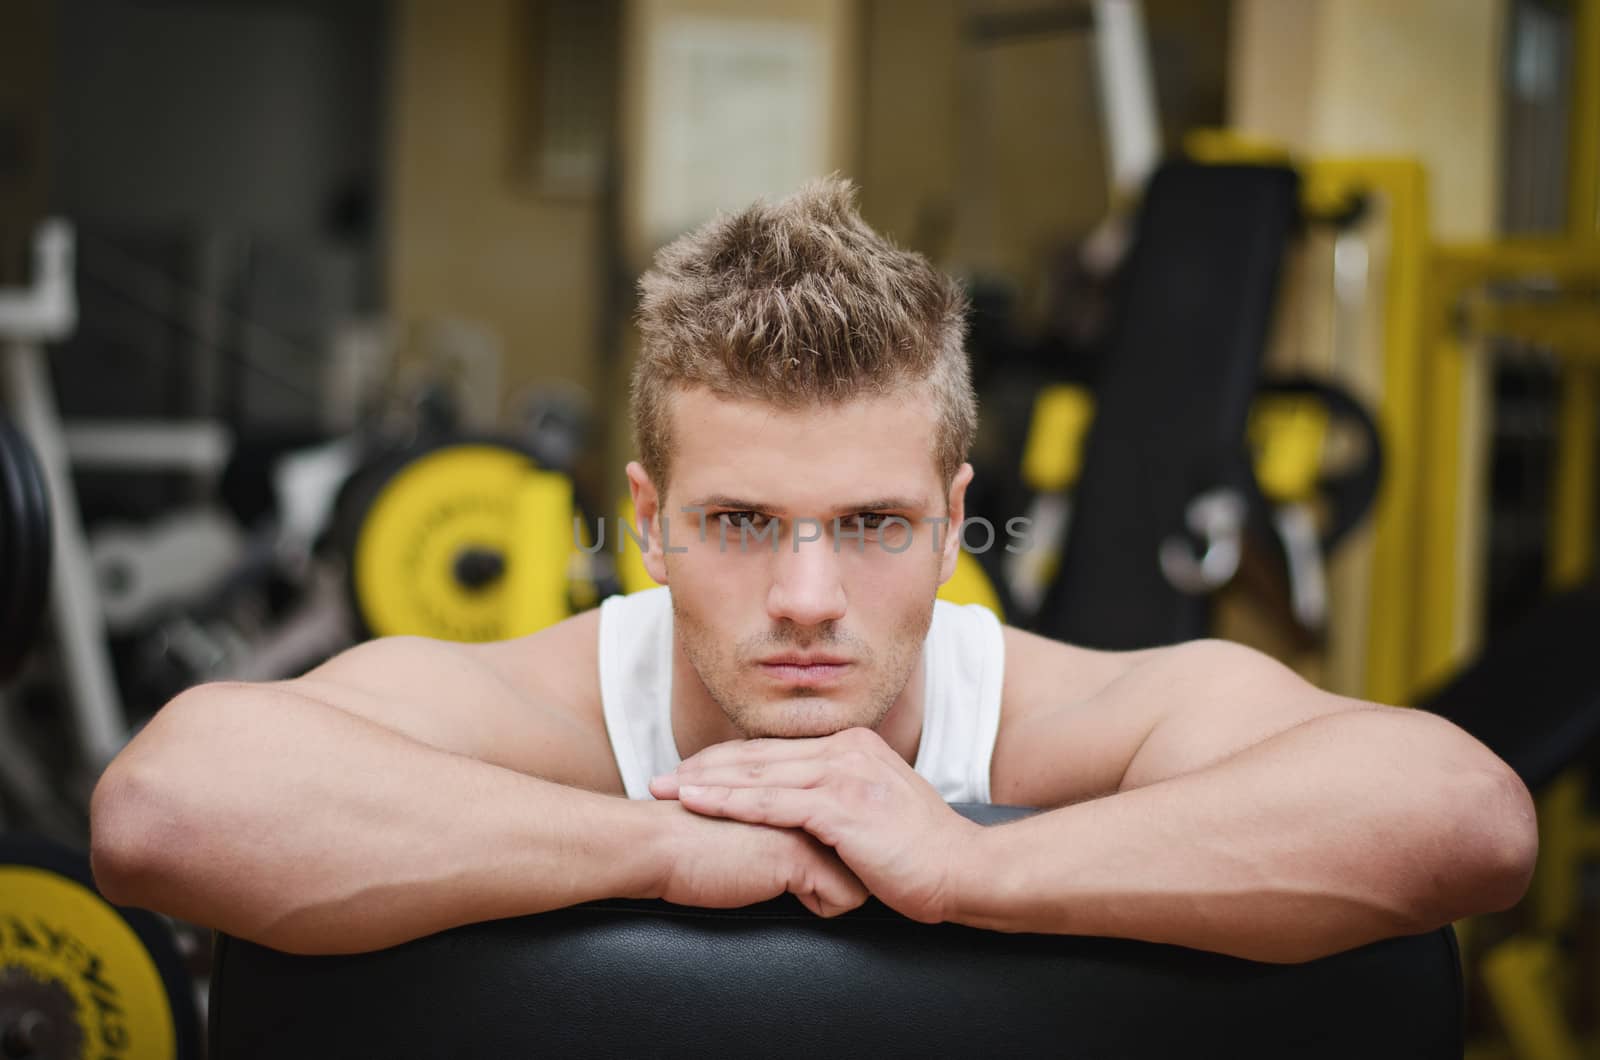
(315,322)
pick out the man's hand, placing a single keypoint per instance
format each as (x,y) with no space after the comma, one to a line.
(725,864)
(850,791)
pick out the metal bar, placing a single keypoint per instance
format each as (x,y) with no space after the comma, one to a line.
(1455,271)
(100,724)
(198,446)
(1572,518)
(1440,595)
(1583,145)
(1522,977)
(1558,261)
(1569,329)
(1402,186)
(1127,96)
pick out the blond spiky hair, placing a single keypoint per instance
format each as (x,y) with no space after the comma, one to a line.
(798,302)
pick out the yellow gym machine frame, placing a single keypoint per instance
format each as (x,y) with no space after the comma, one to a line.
(1435,313)
(1521,973)
(1401,186)
(1524,973)
(1433,319)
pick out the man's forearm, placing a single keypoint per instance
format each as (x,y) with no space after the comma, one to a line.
(1329,835)
(288,822)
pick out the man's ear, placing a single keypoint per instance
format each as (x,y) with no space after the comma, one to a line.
(647,519)
(952,529)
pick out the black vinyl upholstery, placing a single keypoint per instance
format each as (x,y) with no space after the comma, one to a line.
(627,978)
(1183,359)
(1533,696)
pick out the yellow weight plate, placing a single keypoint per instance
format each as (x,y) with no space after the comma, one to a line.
(1288,433)
(1052,457)
(970,584)
(426,516)
(69,958)
(542,565)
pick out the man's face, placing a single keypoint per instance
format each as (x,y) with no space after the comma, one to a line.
(813,619)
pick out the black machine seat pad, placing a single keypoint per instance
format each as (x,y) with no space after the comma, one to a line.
(1533,696)
(1182,364)
(632,978)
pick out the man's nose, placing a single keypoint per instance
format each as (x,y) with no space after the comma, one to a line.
(806,588)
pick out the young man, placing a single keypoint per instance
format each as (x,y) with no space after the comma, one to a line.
(796,702)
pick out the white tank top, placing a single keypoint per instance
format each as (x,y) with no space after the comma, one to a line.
(963,662)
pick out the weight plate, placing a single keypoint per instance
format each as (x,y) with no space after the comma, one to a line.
(425,553)
(25,548)
(1346,494)
(79,976)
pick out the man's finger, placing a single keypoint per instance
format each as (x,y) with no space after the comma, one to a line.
(778,807)
(763,750)
(805,773)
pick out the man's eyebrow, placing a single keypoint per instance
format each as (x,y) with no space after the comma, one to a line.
(747,504)
(884,504)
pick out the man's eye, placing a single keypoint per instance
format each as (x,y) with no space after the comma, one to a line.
(864,521)
(745,520)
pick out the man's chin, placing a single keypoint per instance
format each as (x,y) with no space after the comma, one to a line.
(802,718)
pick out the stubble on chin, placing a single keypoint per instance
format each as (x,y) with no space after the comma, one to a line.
(728,677)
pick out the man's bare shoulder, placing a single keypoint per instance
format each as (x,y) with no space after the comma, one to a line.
(560,665)
(531,704)
(1037,760)
(1072,718)
(1042,674)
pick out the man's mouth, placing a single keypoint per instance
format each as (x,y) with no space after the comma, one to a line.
(805,668)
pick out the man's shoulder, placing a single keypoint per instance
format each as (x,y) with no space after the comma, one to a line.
(559,664)
(1072,717)
(558,667)
(1043,674)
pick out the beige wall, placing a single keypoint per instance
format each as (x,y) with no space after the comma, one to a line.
(984,158)
(989,157)
(1418,79)
(1375,77)
(469,238)
(908,153)
(837,24)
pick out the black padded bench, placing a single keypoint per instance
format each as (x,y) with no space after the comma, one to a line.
(627,978)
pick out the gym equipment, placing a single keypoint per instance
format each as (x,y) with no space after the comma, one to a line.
(624,978)
(25,561)
(1313,507)
(25,547)
(466,541)
(1052,460)
(1537,734)
(80,977)
(1533,698)
(47,312)
(1310,506)
(174,561)
(1166,446)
